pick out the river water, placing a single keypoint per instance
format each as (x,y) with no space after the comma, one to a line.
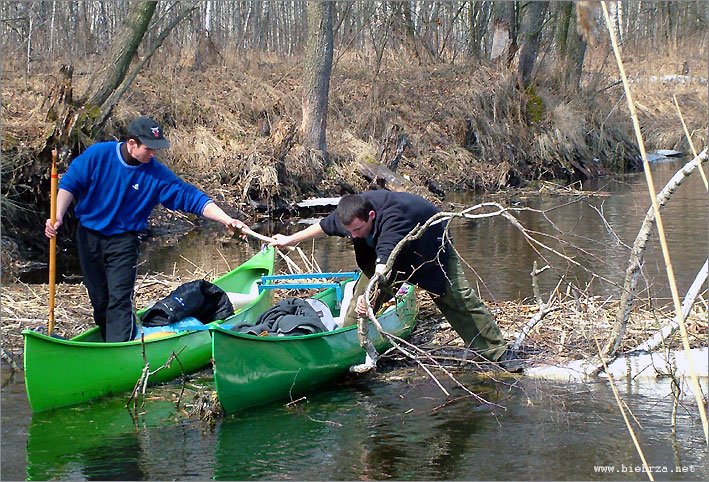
(365,429)
(372,428)
(502,258)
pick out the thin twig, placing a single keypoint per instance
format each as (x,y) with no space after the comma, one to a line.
(625,417)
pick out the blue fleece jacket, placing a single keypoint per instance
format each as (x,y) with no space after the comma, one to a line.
(114,197)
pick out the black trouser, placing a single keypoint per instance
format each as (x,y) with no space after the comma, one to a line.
(109,265)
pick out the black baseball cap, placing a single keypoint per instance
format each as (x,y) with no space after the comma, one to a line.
(149,133)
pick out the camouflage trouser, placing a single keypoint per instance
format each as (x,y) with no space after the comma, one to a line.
(461,307)
(469,316)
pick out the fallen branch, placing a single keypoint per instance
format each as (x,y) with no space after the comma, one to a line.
(397,343)
(10,361)
(670,328)
(632,272)
(414,234)
(544,308)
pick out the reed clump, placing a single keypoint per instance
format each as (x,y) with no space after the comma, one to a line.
(657,73)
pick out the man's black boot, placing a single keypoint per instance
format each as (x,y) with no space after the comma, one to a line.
(511,360)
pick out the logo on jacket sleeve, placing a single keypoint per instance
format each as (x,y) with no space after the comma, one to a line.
(136,186)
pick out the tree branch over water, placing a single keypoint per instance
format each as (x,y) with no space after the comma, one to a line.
(632,272)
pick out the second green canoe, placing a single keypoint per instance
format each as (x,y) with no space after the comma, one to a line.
(252,370)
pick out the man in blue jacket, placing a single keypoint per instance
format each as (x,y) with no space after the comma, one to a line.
(116,186)
(376,221)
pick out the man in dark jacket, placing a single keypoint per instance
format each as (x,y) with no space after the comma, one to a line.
(116,186)
(376,221)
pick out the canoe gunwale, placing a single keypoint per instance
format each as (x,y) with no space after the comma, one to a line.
(389,312)
(102,344)
(252,370)
(77,340)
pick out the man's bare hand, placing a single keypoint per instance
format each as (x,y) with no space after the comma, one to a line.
(49,230)
(236,226)
(361,307)
(281,241)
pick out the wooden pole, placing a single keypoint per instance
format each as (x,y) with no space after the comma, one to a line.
(52,243)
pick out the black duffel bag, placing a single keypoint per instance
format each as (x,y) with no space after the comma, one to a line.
(201,299)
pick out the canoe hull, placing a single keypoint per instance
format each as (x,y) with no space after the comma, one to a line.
(66,372)
(251,370)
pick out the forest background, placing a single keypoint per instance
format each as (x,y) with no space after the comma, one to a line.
(269,102)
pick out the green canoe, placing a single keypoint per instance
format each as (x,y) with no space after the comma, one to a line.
(65,372)
(251,370)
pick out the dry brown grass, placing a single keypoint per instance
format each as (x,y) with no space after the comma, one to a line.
(468,124)
(657,113)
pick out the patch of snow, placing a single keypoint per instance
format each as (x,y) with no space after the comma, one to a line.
(668,153)
(641,365)
(309,220)
(321,201)
(683,79)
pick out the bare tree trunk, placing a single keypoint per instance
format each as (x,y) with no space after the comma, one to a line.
(29,43)
(316,75)
(403,10)
(621,23)
(51,28)
(476,16)
(504,30)
(120,54)
(563,20)
(632,273)
(530,29)
(613,8)
(575,54)
(116,96)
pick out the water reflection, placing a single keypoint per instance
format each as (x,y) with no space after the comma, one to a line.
(366,429)
(101,441)
(503,259)
(346,434)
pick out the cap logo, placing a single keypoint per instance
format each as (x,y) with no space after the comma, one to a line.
(155,131)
